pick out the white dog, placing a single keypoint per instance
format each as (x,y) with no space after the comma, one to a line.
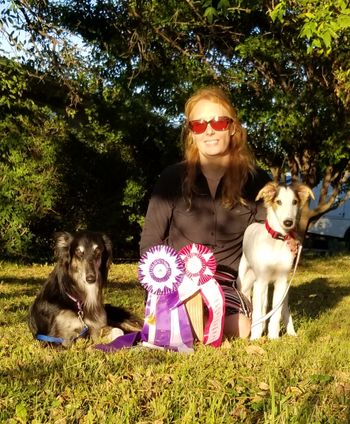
(268,259)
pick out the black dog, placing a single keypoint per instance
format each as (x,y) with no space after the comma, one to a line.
(70,304)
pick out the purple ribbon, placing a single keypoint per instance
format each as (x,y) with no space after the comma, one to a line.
(127,340)
(165,326)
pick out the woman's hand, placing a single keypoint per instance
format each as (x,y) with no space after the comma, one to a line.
(293,245)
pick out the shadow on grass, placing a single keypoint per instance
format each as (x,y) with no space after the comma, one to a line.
(26,287)
(307,300)
(123,286)
(23,280)
(111,285)
(316,297)
(33,371)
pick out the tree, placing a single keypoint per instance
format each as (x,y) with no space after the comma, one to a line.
(98,153)
(286,87)
(325,26)
(145,57)
(88,168)
(30,138)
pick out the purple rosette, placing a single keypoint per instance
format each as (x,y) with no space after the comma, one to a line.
(161,270)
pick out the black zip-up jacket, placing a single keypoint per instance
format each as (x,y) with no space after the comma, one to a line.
(168,220)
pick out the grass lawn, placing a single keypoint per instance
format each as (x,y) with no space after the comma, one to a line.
(303,379)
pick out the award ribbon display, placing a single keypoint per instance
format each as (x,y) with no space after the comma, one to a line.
(171,277)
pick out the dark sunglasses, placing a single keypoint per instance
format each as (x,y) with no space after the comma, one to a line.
(220,123)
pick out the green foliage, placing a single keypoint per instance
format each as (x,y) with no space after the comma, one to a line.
(64,171)
(30,139)
(325,26)
(322,23)
(133,194)
(12,82)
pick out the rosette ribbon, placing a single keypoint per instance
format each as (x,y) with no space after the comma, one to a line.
(200,267)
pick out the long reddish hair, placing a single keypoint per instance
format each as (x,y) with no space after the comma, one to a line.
(241,161)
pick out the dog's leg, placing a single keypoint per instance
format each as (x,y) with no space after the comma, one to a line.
(97,324)
(68,326)
(95,332)
(287,318)
(279,291)
(260,292)
(246,277)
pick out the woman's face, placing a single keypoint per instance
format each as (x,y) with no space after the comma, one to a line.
(211,143)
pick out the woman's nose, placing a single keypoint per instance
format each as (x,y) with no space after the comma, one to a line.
(209,129)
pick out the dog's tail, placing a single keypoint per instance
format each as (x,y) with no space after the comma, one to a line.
(120,317)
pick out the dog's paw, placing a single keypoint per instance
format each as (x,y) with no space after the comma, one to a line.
(255,335)
(115,333)
(290,328)
(256,332)
(108,334)
(273,336)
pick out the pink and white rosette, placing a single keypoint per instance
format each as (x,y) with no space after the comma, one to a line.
(200,267)
(167,325)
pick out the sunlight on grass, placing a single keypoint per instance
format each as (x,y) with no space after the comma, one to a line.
(303,379)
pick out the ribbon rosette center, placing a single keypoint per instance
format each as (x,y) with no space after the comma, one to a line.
(200,263)
(194,264)
(161,270)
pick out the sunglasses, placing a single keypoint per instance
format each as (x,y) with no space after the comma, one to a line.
(220,123)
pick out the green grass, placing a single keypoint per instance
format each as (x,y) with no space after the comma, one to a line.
(303,379)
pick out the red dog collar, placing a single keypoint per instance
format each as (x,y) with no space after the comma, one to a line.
(276,235)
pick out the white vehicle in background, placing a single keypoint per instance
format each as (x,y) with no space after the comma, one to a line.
(335,223)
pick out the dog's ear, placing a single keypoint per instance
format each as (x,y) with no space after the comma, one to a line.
(108,254)
(63,242)
(304,192)
(268,192)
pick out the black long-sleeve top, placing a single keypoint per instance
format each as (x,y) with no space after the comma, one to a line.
(169,221)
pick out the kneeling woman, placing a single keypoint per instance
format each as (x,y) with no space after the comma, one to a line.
(209,197)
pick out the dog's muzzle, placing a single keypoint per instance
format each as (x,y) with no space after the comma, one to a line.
(288,223)
(91,278)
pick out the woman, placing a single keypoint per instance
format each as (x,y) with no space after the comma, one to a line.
(209,197)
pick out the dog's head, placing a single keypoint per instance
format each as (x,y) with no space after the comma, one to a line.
(285,201)
(86,255)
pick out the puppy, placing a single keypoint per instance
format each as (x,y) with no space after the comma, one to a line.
(70,304)
(267,257)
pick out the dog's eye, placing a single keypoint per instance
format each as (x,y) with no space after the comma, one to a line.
(295,202)
(279,202)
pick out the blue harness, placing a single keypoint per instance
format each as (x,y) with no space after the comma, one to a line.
(60,340)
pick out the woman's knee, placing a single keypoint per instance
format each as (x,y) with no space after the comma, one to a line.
(237,325)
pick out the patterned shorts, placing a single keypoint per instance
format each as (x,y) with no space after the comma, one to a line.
(235,301)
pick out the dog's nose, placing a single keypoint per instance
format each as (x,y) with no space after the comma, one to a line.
(91,278)
(287,223)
